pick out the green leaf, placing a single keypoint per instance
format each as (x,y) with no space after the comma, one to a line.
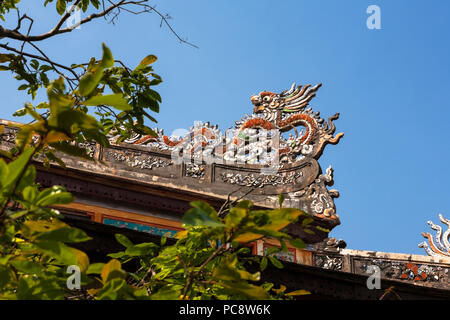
(204,207)
(5,276)
(20,112)
(198,217)
(90,81)
(226,273)
(5,57)
(146,61)
(249,290)
(276,262)
(67,121)
(107,59)
(32,112)
(272,250)
(298,243)
(56,96)
(53,195)
(263,263)
(4,172)
(283,245)
(96,135)
(30,193)
(66,234)
(123,240)
(167,293)
(61,7)
(6,154)
(227,270)
(82,259)
(34,64)
(84,5)
(95,268)
(58,251)
(147,101)
(115,100)
(45,68)
(235,216)
(24,136)
(111,289)
(117,255)
(71,150)
(27,267)
(142,129)
(142,249)
(31,228)
(155,95)
(298,293)
(111,270)
(278,218)
(16,167)
(246,204)
(95,3)
(27,179)
(247,234)
(52,157)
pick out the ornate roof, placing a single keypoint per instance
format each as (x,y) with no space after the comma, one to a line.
(251,159)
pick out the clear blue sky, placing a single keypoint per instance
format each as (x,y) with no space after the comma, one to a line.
(391,87)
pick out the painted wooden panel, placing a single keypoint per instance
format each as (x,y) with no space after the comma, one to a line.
(158,231)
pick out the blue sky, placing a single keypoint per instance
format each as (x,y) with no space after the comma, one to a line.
(391,87)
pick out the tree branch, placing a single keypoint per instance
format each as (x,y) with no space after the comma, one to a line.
(15,34)
(6,47)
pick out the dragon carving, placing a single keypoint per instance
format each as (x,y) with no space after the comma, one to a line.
(283,112)
(287,111)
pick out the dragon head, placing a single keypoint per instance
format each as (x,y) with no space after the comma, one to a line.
(293,100)
(266,102)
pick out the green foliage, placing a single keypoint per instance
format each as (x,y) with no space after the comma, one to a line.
(6,6)
(120,99)
(208,262)
(35,250)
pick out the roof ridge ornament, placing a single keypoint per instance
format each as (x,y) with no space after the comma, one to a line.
(440,245)
(255,157)
(283,112)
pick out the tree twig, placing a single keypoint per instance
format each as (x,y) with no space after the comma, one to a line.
(6,47)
